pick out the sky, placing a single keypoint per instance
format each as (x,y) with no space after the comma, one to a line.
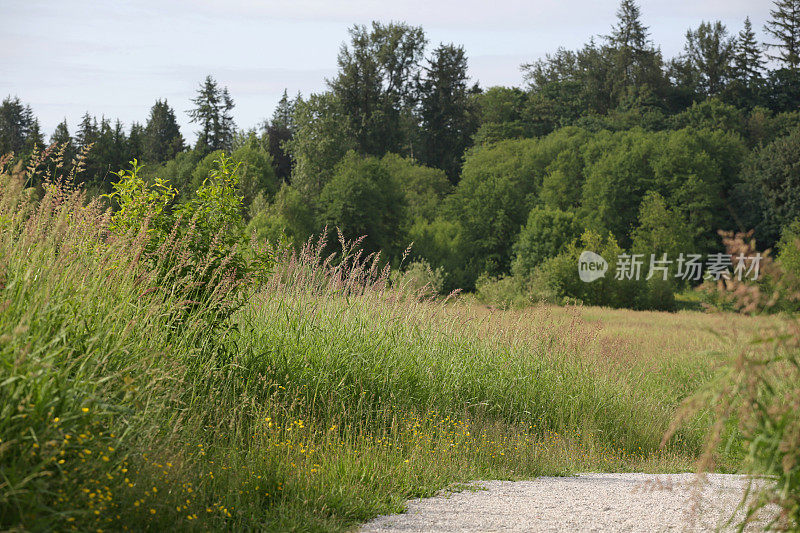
(115,58)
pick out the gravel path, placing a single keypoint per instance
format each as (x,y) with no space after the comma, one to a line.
(588,502)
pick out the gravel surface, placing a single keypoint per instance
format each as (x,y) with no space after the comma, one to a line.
(587,502)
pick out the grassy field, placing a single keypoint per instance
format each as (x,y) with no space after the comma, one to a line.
(327,398)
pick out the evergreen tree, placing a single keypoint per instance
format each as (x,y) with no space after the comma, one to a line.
(278,131)
(784,26)
(61,137)
(747,55)
(162,136)
(629,37)
(375,85)
(19,128)
(745,89)
(87,132)
(447,119)
(136,142)
(227,126)
(212,112)
(709,52)
(283,116)
(120,147)
(636,62)
(33,132)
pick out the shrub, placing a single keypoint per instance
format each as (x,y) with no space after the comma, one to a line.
(195,246)
(546,234)
(419,279)
(504,292)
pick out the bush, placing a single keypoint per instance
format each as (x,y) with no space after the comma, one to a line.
(419,279)
(504,292)
(546,234)
(197,244)
(557,278)
(95,381)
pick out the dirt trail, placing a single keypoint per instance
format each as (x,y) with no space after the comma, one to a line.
(588,502)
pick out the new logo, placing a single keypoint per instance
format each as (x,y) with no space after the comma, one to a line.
(591,266)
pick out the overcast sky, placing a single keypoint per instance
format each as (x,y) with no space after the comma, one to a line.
(115,58)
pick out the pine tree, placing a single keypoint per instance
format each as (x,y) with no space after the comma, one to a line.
(784,26)
(63,139)
(709,52)
(19,128)
(162,135)
(445,113)
(278,131)
(135,148)
(212,112)
(227,128)
(283,116)
(636,62)
(747,55)
(87,132)
(33,132)
(629,33)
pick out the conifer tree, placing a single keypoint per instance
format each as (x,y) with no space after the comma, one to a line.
(19,128)
(447,121)
(212,112)
(784,28)
(278,131)
(162,136)
(709,52)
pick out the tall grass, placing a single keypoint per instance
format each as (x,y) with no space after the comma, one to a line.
(759,394)
(312,400)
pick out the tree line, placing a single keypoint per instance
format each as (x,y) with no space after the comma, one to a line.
(610,145)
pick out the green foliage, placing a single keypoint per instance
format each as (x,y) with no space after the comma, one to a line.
(441,243)
(774,171)
(142,205)
(215,210)
(497,189)
(363,199)
(711,113)
(419,280)
(195,244)
(256,172)
(789,248)
(375,85)
(19,128)
(447,117)
(289,216)
(661,230)
(212,112)
(162,139)
(504,292)
(547,233)
(319,143)
(178,172)
(784,28)
(616,180)
(423,187)
(709,52)
(557,279)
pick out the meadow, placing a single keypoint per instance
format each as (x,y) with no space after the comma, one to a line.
(312,395)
